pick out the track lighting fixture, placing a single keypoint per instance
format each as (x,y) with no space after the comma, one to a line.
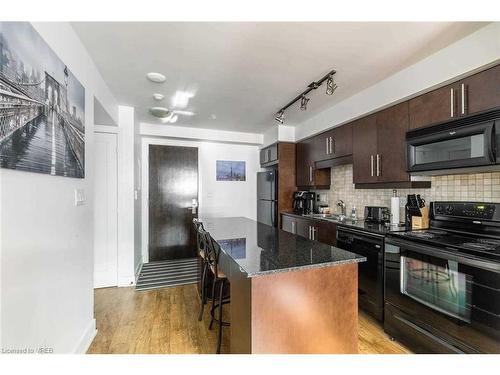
(303,103)
(280,116)
(331,86)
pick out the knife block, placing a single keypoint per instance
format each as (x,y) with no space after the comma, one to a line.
(421,222)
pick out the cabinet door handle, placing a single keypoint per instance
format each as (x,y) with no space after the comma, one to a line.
(309,232)
(314,233)
(378,165)
(327,147)
(463,98)
(293,227)
(452,102)
(371,164)
(332,145)
(310,174)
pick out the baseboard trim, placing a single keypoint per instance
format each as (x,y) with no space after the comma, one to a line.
(86,339)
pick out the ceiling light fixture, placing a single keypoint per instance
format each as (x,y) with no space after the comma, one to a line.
(158,97)
(331,86)
(156,77)
(280,115)
(303,103)
(159,112)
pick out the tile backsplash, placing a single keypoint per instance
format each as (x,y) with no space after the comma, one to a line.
(484,187)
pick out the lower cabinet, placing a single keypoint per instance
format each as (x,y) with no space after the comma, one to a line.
(316,230)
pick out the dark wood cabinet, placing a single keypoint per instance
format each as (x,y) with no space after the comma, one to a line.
(316,230)
(333,143)
(364,149)
(269,155)
(390,161)
(379,146)
(435,106)
(477,93)
(308,175)
(480,92)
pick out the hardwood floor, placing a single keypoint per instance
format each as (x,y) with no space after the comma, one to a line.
(165,321)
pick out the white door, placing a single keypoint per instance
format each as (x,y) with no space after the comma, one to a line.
(105,211)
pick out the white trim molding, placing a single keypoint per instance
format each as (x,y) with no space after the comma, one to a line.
(86,340)
(106,129)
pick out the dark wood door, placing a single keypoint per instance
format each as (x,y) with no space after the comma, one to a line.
(322,148)
(305,164)
(173,184)
(364,149)
(326,232)
(392,125)
(481,91)
(342,141)
(436,106)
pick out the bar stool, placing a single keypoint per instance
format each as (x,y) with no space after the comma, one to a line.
(220,279)
(201,247)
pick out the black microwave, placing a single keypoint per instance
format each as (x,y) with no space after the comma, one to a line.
(467,143)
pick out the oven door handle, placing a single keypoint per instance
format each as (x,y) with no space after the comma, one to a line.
(446,253)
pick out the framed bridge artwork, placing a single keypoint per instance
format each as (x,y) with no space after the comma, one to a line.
(42,106)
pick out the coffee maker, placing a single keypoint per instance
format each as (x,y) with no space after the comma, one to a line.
(303,202)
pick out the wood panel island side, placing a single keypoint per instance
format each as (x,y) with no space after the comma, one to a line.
(288,294)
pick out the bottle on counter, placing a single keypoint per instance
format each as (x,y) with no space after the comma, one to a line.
(394,208)
(354,214)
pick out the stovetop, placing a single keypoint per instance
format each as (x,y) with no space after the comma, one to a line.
(464,242)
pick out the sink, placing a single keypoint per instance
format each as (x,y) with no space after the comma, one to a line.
(324,216)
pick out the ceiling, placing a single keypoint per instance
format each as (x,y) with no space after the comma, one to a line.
(240,74)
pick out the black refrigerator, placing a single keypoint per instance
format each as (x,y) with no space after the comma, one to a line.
(267,197)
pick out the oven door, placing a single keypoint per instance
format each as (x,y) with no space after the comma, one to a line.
(454,298)
(466,146)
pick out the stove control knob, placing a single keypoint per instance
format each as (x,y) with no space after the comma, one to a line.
(439,209)
(449,209)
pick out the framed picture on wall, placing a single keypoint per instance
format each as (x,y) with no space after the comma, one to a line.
(42,106)
(227,170)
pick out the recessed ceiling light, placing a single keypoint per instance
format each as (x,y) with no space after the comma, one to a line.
(156,77)
(159,112)
(158,97)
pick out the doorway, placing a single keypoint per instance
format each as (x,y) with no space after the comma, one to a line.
(173,201)
(105,211)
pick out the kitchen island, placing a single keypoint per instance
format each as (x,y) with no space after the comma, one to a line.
(288,294)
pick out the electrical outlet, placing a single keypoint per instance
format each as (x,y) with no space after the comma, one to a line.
(79,197)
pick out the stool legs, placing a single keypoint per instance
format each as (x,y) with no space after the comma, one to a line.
(203,291)
(219,339)
(212,309)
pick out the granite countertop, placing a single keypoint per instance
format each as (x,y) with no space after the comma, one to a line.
(259,249)
(359,224)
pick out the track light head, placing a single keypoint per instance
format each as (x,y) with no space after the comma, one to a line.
(303,103)
(331,86)
(280,116)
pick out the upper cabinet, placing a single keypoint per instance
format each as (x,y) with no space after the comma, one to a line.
(334,143)
(308,175)
(477,93)
(269,155)
(364,149)
(480,92)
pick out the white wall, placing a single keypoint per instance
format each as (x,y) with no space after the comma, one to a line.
(45,240)
(479,49)
(216,198)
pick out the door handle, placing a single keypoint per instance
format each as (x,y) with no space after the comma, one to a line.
(194,205)
(293,227)
(309,232)
(310,174)
(378,165)
(463,98)
(371,164)
(452,102)
(313,233)
(332,145)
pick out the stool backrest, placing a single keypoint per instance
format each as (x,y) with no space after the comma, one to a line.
(200,241)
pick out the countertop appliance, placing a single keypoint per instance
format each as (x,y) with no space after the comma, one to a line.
(376,214)
(442,285)
(369,244)
(303,202)
(466,144)
(267,197)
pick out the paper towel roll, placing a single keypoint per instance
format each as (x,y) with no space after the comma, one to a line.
(395,210)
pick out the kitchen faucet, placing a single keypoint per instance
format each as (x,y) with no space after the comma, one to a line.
(342,206)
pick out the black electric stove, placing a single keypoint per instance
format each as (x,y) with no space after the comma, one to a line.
(442,284)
